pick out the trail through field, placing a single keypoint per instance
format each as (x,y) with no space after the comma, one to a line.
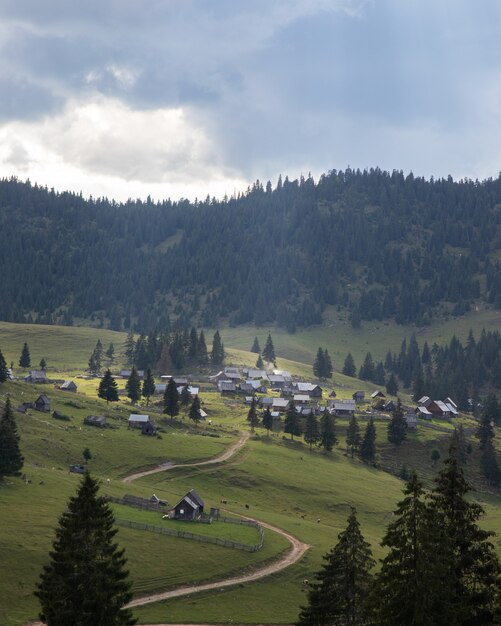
(163,467)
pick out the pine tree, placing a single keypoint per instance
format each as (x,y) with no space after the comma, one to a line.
(311,432)
(392,386)
(485,431)
(459,445)
(269,351)
(108,388)
(195,413)
(475,573)
(259,362)
(185,396)
(11,460)
(171,398)
(4,374)
(349,367)
(193,344)
(252,417)
(368,445)
(292,425)
(148,386)
(340,595)
(217,354)
(397,428)
(267,420)
(203,357)
(367,371)
(25,359)
(133,386)
(353,435)
(327,365)
(412,587)
(130,348)
(318,365)
(492,409)
(328,437)
(255,346)
(489,464)
(85,582)
(110,352)
(43,364)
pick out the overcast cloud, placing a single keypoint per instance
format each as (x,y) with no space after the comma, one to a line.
(126,98)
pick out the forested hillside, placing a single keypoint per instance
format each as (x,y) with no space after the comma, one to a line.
(381,245)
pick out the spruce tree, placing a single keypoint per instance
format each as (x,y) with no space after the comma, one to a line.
(392,385)
(130,348)
(25,359)
(255,346)
(185,396)
(349,367)
(193,344)
(195,413)
(319,364)
(11,460)
(171,398)
(327,365)
(259,362)
(327,431)
(489,464)
(110,352)
(133,386)
(413,586)
(4,374)
(475,573)
(43,364)
(252,416)
(269,351)
(292,425)
(368,445)
(340,595)
(367,371)
(108,388)
(397,427)
(267,420)
(311,431)
(485,431)
(148,386)
(85,582)
(353,435)
(217,354)
(203,357)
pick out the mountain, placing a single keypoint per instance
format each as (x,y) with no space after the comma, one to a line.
(383,245)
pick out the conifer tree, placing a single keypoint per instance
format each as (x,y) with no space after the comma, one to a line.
(397,427)
(252,416)
(475,572)
(367,371)
(328,437)
(108,388)
(171,398)
(327,365)
(319,364)
(392,385)
(259,362)
(25,359)
(217,354)
(4,374)
(353,435)
(458,444)
(267,420)
(269,351)
(292,425)
(43,364)
(148,386)
(85,582)
(185,396)
(193,344)
(11,460)
(130,348)
(203,357)
(255,346)
(133,386)
(340,595)
(413,586)
(489,464)
(311,431)
(110,352)
(485,431)
(349,367)
(368,445)
(195,413)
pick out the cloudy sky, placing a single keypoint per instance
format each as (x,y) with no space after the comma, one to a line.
(181,98)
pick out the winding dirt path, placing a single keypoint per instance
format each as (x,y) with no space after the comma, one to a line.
(163,467)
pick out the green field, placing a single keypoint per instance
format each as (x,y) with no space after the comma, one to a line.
(271,479)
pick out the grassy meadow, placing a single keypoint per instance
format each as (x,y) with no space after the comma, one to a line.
(272,479)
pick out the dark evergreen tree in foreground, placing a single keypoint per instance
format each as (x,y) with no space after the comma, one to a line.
(311,431)
(195,411)
(368,445)
(397,427)
(85,582)
(349,367)
(269,351)
(171,398)
(3,369)
(133,386)
(11,460)
(353,435)
(292,425)
(108,389)
(148,386)
(267,420)
(252,416)
(25,359)
(340,595)
(328,437)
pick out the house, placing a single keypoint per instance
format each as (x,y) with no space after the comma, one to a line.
(377,394)
(95,420)
(314,391)
(285,375)
(137,421)
(256,384)
(22,408)
(279,404)
(439,408)
(232,371)
(193,391)
(10,374)
(226,386)
(160,388)
(266,402)
(68,385)
(411,419)
(190,507)
(253,373)
(451,401)
(359,396)
(127,373)
(452,408)
(232,375)
(149,428)
(42,403)
(342,407)
(246,388)
(424,401)
(248,399)
(422,412)
(276,382)
(301,399)
(180,381)
(36,376)
(389,406)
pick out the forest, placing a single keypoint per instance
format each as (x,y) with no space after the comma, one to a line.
(381,245)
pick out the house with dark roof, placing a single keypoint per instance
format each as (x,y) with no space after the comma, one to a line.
(42,403)
(95,420)
(36,376)
(226,386)
(377,394)
(189,508)
(68,385)
(359,396)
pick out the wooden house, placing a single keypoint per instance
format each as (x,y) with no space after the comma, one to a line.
(226,386)
(377,394)
(36,376)
(411,419)
(301,399)
(42,403)
(68,385)
(95,420)
(359,396)
(424,401)
(276,381)
(137,421)
(189,508)
(149,428)
(342,407)
(423,413)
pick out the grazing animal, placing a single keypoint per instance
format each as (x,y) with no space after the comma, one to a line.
(247,506)
(224,501)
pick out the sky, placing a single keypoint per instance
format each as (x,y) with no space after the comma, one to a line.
(189,98)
